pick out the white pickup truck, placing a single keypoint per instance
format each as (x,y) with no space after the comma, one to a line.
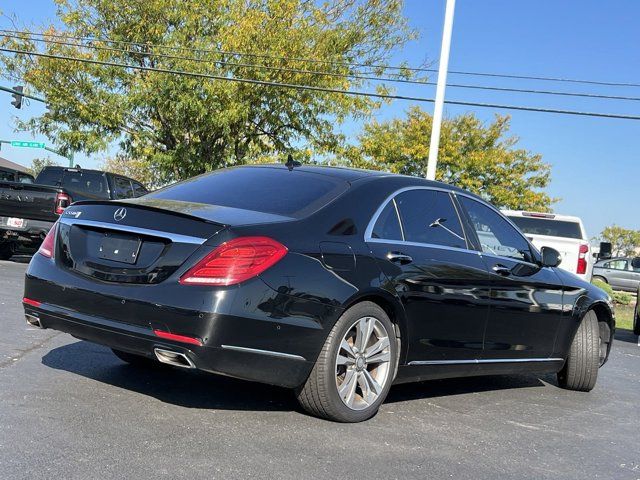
(564,233)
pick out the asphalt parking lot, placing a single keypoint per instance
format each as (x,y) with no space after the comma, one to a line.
(71,409)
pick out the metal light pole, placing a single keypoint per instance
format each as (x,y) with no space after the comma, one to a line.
(442,83)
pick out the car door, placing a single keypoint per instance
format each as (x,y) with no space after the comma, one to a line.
(615,272)
(526,299)
(420,245)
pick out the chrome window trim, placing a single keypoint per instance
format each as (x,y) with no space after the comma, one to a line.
(174,237)
(264,352)
(369,230)
(484,360)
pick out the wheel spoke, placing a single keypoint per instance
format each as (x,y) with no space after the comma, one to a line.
(366,389)
(347,390)
(342,360)
(363,333)
(347,348)
(376,388)
(375,353)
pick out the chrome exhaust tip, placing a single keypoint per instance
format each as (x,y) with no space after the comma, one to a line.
(33,321)
(176,359)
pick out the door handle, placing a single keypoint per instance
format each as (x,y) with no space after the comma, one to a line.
(501,270)
(397,257)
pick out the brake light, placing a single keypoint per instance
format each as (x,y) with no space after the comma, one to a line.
(49,243)
(582,259)
(62,201)
(235,261)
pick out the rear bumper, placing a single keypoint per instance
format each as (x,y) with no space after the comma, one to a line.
(265,366)
(33,231)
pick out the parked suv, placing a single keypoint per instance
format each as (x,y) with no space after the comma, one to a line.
(28,210)
(561,232)
(621,273)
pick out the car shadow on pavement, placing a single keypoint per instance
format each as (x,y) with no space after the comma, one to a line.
(203,390)
(191,389)
(623,335)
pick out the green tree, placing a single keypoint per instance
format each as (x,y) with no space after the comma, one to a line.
(138,169)
(38,164)
(478,157)
(624,241)
(182,125)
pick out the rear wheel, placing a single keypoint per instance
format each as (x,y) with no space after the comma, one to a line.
(355,369)
(137,360)
(580,371)
(6,251)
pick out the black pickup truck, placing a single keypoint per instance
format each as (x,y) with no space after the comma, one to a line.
(28,210)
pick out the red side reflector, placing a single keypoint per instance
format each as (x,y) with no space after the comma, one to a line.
(33,303)
(235,261)
(49,244)
(178,338)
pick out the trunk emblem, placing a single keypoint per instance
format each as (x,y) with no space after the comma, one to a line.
(120,214)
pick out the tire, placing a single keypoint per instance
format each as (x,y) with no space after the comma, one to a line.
(339,387)
(136,360)
(6,251)
(636,314)
(598,277)
(580,371)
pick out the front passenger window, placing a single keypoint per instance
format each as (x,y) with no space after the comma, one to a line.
(496,234)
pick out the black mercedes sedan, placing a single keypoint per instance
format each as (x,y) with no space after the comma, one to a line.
(334,282)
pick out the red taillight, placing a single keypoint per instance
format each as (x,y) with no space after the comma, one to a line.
(29,301)
(582,259)
(49,243)
(62,201)
(178,338)
(235,261)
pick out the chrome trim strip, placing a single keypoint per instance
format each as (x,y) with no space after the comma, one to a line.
(488,360)
(174,237)
(417,244)
(264,352)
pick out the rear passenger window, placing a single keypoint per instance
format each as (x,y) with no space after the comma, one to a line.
(388,226)
(123,187)
(428,216)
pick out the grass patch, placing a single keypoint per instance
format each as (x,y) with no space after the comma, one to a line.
(624,316)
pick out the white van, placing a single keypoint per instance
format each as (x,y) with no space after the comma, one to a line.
(564,233)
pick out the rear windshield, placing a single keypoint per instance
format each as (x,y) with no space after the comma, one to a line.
(84,183)
(546,226)
(269,190)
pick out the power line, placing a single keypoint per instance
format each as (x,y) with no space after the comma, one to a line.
(330,62)
(318,89)
(26,95)
(329,74)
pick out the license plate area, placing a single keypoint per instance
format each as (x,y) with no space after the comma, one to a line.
(15,222)
(119,248)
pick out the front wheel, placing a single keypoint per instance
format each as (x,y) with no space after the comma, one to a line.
(580,371)
(355,369)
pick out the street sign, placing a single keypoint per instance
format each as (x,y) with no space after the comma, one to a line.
(16,143)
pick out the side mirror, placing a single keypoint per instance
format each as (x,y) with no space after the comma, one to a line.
(605,250)
(550,257)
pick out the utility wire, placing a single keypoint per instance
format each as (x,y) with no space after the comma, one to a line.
(330,62)
(26,95)
(318,89)
(328,74)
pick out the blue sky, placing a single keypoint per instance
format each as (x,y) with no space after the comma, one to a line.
(595,162)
